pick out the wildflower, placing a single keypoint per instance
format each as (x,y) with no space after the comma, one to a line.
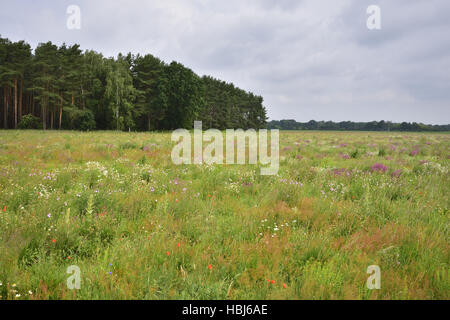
(414,153)
(4,209)
(168,253)
(30,292)
(396,173)
(178,244)
(49,215)
(13,285)
(68,258)
(379,167)
(209,267)
(53,240)
(17,295)
(284,285)
(272,281)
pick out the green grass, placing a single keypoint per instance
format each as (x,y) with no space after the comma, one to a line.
(140,227)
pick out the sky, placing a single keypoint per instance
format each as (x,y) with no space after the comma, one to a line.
(308,59)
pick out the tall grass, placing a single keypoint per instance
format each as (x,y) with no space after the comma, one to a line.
(140,227)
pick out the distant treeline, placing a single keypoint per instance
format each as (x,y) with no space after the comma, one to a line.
(66,88)
(356,126)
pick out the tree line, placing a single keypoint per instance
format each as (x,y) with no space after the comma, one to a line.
(354,126)
(63,87)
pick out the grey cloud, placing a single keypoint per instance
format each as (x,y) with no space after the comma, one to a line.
(309,59)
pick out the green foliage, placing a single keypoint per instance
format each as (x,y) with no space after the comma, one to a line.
(71,89)
(30,122)
(78,119)
(355,126)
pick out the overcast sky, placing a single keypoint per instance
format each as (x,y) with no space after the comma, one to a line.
(309,59)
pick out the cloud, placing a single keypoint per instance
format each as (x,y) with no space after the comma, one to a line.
(309,59)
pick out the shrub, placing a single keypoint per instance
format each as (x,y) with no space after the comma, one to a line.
(354,154)
(30,122)
(80,119)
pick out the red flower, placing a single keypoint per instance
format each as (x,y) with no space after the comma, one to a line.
(53,240)
(168,253)
(209,267)
(178,244)
(4,209)
(284,285)
(272,281)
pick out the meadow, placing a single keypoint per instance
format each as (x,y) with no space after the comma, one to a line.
(140,227)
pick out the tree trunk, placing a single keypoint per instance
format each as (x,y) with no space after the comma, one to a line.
(60,113)
(51,119)
(15,102)
(82,98)
(44,124)
(32,104)
(44,113)
(21,99)
(5,101)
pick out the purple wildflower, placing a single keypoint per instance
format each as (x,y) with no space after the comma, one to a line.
(397,173)
(379,167)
